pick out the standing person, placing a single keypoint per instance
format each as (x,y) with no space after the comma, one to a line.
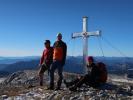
(59,58)
(94,77)
(46,60)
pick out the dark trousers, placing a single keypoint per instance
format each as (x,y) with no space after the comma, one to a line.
(42,69)
(84,80)
(56,65)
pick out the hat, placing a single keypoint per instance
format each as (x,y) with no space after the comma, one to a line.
(47,41)
(59,34)
(90,58)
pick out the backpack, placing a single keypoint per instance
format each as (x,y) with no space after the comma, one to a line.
(103,72)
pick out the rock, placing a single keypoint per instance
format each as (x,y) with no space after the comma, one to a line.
(19,82)
(16,78)
(31,82)
(51,96)
(4,97)
(75,97)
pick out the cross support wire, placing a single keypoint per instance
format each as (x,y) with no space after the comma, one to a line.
(85,35)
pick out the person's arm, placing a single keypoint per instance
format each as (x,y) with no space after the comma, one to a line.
(50,56)
(64,53)
(88,69)
(42,58)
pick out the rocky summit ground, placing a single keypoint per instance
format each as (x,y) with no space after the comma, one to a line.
(23,85)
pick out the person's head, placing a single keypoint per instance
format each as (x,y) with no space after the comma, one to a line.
(59,36)
(90,60)
(47,43)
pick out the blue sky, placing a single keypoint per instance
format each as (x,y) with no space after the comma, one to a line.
(25,24)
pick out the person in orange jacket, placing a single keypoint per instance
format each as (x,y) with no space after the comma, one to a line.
(59,58)
(46,60)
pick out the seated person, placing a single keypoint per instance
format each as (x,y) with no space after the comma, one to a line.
(94,77)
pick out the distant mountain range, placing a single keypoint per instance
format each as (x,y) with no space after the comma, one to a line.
(21,65)
(11,60)
(116,65)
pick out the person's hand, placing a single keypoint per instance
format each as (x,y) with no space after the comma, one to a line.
(39,65)
(78,76)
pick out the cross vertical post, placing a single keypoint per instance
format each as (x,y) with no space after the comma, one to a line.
(85,35)
(85,42)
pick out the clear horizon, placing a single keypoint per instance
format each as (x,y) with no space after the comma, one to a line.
(67,55)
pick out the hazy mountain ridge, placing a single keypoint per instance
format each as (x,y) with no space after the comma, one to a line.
(22,65)
(3,66)
(11,60)
(4,73)
(116,65)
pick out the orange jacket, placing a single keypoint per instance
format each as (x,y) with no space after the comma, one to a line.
(59,51)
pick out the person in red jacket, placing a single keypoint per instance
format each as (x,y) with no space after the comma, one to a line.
(46,60)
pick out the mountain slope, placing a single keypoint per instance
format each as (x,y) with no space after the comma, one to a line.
(22,65)
(24,85)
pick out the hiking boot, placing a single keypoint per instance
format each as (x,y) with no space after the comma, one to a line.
(67,84)
(41,83)
(50,88)
(73,88)
(56,89)
(30,86)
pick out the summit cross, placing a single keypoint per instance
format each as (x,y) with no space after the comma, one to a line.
(85,35)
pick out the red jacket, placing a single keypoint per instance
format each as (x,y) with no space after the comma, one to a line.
(47,56)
